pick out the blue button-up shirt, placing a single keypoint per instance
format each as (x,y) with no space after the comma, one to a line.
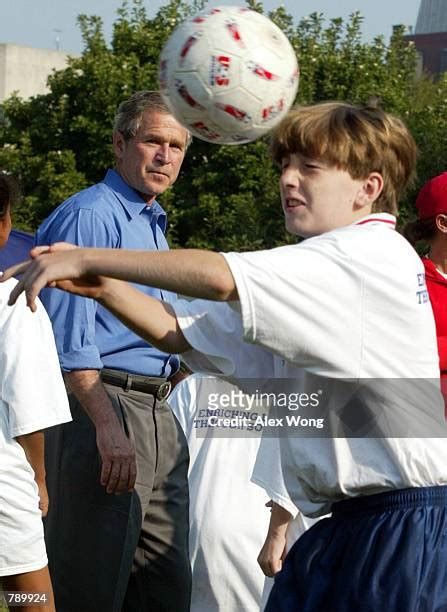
(109,214)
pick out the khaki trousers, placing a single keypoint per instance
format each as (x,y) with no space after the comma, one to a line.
(119,552)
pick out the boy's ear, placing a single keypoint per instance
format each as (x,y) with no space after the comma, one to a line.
(370,190)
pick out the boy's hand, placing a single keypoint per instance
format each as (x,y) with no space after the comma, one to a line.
(272,554)
(58,265)
(44,500)
(274,549)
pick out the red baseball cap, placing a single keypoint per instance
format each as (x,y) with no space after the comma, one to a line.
(432,198)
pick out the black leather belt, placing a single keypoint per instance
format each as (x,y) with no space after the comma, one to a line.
(158,387)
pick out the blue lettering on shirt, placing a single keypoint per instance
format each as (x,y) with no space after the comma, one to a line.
(421,279)
(422,296)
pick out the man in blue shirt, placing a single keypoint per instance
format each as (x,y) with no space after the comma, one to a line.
(118,526)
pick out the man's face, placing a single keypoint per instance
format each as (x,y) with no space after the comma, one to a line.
(317,198)
(150,161)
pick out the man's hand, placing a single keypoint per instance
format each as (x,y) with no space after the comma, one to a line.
(59,265)
(117,452)
(119,470)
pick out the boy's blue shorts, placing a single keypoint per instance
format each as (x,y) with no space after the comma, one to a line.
(379,553)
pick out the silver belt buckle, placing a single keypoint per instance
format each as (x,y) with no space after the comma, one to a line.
(163,391)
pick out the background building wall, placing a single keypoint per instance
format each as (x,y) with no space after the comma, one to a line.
(26,69)
(430,36)
(433,49)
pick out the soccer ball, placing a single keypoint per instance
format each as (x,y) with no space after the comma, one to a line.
(228,74)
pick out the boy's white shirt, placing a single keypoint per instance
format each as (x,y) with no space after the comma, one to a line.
(349,304)
(32,397)
(228,517)
(227,513)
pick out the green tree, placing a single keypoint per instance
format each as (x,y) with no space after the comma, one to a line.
(60,142)
(227,196)
(427,119)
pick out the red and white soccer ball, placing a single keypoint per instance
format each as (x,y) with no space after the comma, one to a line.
(228,74)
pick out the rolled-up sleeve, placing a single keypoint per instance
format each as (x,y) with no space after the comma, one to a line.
(73,317)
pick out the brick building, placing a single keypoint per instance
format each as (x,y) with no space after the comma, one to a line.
(430,36)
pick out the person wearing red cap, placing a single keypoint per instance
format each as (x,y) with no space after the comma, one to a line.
(431,227)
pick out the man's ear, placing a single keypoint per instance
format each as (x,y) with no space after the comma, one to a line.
(369,191)
(118,144)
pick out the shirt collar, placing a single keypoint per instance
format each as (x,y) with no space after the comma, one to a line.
(384,218)
(132,202)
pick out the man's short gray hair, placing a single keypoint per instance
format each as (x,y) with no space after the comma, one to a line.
(130,112)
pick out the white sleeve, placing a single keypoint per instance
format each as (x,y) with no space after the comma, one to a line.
(214,331)
(294,300)
(268,474)
(31,382)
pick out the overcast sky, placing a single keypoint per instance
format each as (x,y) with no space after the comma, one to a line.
(50,24)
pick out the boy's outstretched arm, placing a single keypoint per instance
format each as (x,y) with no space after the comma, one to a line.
(152,319)
(81,271)
(191,272)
